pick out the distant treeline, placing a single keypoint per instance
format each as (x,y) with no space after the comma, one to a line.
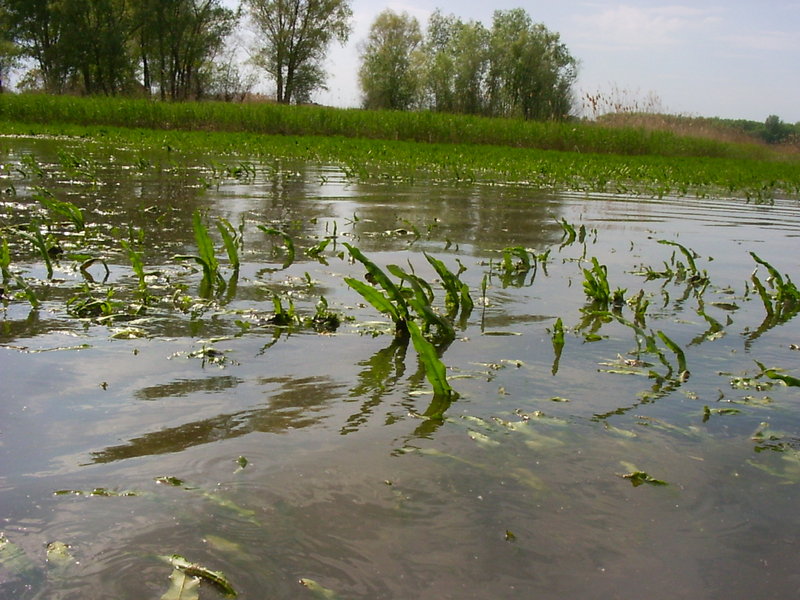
(772,130)
(172,49)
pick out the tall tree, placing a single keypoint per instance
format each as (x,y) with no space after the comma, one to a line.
(177,43)
(97,41)
(9,51)
(456,62)
(295,38)
(38,27)
(390,62)
(531,72)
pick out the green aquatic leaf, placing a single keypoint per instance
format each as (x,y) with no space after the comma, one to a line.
(58,554)
(376,298)
(14,560)
(378,276)
(216,578)
(205,245)
(318,590)
(675,349)
(169,480)
(637,477)
(287,241)
(62,208)
(231,240)
(182,586)
(435,370)
(787,379)
(558,344)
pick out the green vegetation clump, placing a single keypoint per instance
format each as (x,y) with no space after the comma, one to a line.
(365,159)
(429,127)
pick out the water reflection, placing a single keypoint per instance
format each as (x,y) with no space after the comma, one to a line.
(296,405)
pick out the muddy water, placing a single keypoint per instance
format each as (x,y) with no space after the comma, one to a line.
(195,426)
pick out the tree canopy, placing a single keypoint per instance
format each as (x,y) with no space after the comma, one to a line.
(162,47)
(388,75)
(516,68)
(294,38)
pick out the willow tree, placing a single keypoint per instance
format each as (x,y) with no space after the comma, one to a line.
(390,72)
(177,42)
(456,63)
(9,51)
(38,28)
(531,72)
(294,39)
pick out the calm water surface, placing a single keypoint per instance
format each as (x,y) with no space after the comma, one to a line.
(294,454)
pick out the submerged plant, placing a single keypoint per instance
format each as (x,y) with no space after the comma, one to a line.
(42,245)
(390,302)
(558,343)
(435,369)
(393,302)
(596,286)
(287,241)
(782,303)
(205,257)
(61,208)
(457,292)
(518,262)
(232,240)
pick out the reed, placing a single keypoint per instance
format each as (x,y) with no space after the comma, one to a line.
(429,127)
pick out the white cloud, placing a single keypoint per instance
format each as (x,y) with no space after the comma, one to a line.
(631,26)
(767,41)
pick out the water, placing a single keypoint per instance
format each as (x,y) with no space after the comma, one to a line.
(294,454)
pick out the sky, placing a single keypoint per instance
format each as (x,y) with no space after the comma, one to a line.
(726,58)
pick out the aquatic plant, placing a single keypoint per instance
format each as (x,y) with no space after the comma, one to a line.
(596,286)
(61,208)
(287,241)
(558,344)
(457,292)
(781,304)
(518,262)
(394,303)
(44,246)
(186,576)
(136,257)
(206,257)
(435,369)
(232,240)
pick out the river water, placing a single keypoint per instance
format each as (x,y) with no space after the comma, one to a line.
(183,421)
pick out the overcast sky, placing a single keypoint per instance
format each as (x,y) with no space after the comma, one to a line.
(725,58)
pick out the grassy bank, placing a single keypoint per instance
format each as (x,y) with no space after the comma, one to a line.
(273,119)
(365,159)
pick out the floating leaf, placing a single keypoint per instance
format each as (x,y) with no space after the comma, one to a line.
(58,554)
(638,477)
(318,590)
(14,560)
(182,586)
(216,578)
(169,480)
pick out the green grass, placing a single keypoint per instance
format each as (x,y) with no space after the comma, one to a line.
(275,119)
(212,126)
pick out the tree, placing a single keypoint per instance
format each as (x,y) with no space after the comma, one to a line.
(775,130)
(96,41)
(178,41)
(456,61)
(37,27)
(389,75)
(296,35)
(9,51)
(531,72)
